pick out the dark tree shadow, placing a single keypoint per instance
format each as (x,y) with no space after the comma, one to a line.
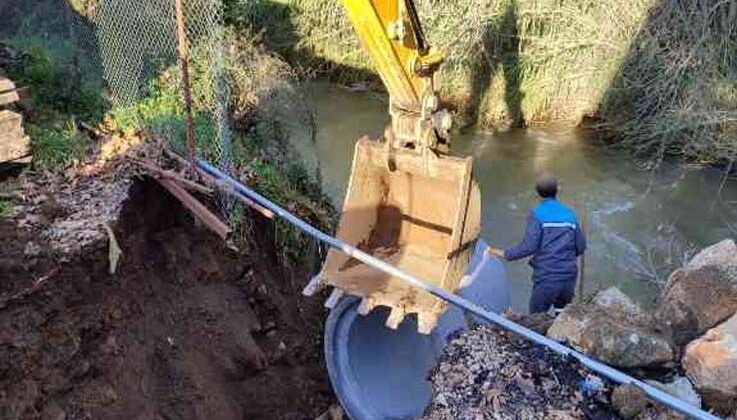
(62,66)
(500,44)
(273,19)
(659,104)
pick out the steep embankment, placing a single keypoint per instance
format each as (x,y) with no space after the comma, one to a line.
(660,73)
(186,327)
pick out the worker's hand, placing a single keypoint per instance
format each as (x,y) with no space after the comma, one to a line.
(495,252)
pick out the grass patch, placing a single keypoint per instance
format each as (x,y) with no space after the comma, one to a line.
(6,208)
(57,89)
(60,99)
(675,92)
(56,148)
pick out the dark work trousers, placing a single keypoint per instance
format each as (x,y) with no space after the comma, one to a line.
(547,294)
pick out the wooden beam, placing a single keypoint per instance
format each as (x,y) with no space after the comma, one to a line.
(6,84)
(9,97)
(196,208)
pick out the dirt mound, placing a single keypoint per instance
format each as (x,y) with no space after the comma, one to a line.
(187,328)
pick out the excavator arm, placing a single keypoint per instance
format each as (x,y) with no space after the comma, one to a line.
(409,202)
(391,32)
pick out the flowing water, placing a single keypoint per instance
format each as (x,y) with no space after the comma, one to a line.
(641,222)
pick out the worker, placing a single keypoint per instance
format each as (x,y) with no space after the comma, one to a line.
(554,239)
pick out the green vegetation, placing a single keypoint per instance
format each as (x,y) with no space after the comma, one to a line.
(6,207)
(261,89)
(660,75)
(57,148)
(59,101)
(56,88)
(675,93)
(554,54)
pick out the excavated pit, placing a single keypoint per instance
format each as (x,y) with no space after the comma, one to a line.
(186,328)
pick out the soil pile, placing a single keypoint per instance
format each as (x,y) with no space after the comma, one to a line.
(187,328)
(487,373)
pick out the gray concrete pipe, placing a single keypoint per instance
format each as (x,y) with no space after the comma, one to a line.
(378,373)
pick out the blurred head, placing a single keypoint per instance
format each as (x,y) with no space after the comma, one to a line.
(546,185)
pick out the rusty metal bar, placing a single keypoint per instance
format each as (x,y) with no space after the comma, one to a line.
(196,208)
(186,89)
(226,188)
(184,182)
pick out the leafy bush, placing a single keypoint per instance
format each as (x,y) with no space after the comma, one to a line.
(6,207)
(57,90)
(56,148)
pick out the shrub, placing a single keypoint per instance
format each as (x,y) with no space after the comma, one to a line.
(58,147)
(57,90)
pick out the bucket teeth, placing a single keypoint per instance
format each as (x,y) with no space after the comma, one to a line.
(426,323)
(315,284)
(367,304)
(395,318)
(333,299)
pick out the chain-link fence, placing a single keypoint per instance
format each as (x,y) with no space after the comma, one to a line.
(139,53)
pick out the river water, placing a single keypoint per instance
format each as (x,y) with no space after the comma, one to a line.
(641,222)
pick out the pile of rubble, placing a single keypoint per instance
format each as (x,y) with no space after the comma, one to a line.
(488,373)
(692,331)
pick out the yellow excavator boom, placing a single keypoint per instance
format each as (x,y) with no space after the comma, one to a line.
(408,201)
(378,23)
(390,31)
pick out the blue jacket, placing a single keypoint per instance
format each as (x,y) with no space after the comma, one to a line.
(555,239)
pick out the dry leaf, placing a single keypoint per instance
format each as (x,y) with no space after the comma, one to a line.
(114,251)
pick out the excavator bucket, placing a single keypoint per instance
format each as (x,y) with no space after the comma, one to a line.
(419,214)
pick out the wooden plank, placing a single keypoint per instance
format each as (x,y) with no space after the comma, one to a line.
(9,97)
(10,123)
(6,84)
(15,149)
(196,208)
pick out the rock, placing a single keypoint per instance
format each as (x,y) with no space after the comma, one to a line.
(629,401)
(615,337)
(711,363)
(538,322)
(681,388)
(695,300)
(722,253)
(613,298)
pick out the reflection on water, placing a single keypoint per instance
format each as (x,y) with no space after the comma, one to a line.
(641,223)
